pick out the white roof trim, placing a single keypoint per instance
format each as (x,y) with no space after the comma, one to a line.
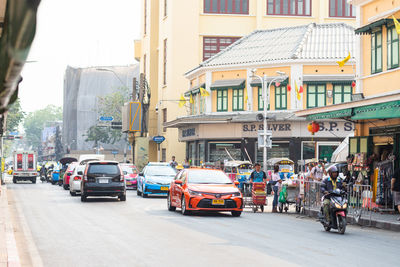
(383,14)
(334,77)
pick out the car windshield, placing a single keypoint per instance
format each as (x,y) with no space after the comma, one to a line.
(108,169)
(242,171)
(285,168)
(208,177)
(130,169)
(160,171)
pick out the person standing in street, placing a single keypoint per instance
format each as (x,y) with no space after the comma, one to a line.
(258,176)
(173,162)
(317,173)
(395,186)
(276,182)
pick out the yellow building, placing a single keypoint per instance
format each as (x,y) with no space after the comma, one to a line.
(178,35)
(376,105)
(300,67)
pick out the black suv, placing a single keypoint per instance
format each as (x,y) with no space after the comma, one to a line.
(103,178)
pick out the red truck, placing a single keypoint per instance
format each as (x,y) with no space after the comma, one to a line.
(25,163)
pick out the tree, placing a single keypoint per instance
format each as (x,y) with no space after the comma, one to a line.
(35,122)
(109,105)
(15,116)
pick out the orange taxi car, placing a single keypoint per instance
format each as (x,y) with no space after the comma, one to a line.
(204,190)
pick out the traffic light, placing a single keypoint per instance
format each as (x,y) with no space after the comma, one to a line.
(116,125)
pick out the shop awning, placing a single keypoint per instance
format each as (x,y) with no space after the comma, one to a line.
(231,84)
(257,83)
(388,110)
(194,90)
(342,113)
(367,29)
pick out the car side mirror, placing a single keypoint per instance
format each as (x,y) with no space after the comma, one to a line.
(80,173)
(178,182)
(141,174)
(237,183)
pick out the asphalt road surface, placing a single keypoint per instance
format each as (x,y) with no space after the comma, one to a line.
(142,232)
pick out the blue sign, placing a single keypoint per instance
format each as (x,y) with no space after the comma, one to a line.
(13,133)
(106,118)
(158,139)
(114,152)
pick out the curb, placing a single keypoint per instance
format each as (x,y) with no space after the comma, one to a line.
(385,225)
(10,250)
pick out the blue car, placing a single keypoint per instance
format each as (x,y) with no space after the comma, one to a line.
(155,179)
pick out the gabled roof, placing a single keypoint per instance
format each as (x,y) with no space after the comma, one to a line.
(308,42)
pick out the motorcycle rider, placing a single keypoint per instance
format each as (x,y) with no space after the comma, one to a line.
(330,184)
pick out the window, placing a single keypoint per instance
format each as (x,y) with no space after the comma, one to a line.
(202,104)
(316,95)
(164,155)
(392,48)
(376,52)
(226,6)
(261,99)
(340,8)
(237,103)
(222,100)
(165,63)
(341,93)
(289,7)
(145,17)
(164,118)
(165,8)
(280,97)
(193,106)
(213,45)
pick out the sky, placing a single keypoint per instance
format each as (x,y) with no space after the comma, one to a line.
(78,33)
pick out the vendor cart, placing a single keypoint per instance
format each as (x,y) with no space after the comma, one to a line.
(255,196)
(290,195)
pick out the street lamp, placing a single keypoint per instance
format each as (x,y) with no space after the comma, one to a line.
(116,75)
(266,91)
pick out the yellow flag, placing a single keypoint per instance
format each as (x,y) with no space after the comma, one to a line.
(344,61)
(397,25)
(204,92)
(246,97)
(182,101)
(297,91)
(191,101)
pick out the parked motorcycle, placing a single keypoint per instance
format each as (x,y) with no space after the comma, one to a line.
(337,211)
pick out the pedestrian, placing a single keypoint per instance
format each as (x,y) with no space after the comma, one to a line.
(258,176)
(173,162)
(186,164)
(395,186)
(276,182)
(317,173)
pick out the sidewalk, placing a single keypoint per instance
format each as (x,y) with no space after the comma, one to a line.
(379,220)
(8,248)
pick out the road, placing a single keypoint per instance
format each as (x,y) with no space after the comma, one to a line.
(63,231)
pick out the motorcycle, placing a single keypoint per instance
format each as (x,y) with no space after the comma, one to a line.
(337,210)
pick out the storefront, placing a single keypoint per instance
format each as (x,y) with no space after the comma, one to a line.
(212,138)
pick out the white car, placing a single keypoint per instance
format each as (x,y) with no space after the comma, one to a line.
(75,180)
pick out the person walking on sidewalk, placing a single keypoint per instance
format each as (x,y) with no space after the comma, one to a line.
(258,176)
(276,182)
(395,186)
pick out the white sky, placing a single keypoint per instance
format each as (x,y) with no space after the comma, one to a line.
(79,33)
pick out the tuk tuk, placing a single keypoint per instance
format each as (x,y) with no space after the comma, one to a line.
(238,171)
(286,167)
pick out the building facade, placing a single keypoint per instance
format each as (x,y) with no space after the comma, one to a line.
(375,108)
(178,35)
(225,97)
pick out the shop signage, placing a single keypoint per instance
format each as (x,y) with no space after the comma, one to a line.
(189,132)
(385,130)
(287,127)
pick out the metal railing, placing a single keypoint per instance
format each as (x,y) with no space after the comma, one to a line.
(359,199)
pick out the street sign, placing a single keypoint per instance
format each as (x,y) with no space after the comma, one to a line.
(114,152)
(261,139)
(106,118)
(103,124)
(158,139)
(116,125)
(13,133)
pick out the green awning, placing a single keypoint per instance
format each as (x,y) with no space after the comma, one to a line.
(228,84)
(194,90)
(388,110)
(367,29)
(337,114)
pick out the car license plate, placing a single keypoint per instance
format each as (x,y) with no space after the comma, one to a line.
(103,181)
(218,202)
(128,183)
(164,188)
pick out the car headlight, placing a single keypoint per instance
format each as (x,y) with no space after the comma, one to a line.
(194,193)
(236,194)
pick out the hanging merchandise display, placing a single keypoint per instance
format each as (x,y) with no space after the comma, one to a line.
(383,192)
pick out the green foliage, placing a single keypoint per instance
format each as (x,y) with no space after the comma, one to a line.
(35,122)
(109,105)
(15,116)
